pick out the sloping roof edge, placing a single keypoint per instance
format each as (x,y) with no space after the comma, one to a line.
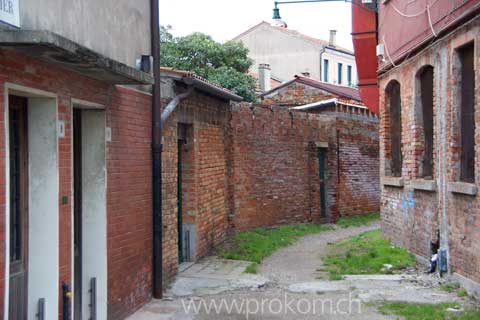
(331,88)
(192,79)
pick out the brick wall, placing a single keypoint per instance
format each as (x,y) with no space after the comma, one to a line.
(275,166)
(204,176)
(275,175)
(128,176)
(129,202)
(415,218)
(359,166)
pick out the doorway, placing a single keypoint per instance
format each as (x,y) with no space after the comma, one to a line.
(18,161)
(32,203)
(89,214)
(322,152)
(186,193)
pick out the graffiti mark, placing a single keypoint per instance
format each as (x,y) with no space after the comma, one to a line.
(408,202)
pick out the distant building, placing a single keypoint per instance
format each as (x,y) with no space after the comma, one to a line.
(289,52)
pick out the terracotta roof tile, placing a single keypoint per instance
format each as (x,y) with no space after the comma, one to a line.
(340,91)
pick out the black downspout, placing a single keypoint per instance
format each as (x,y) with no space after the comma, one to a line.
(157,254)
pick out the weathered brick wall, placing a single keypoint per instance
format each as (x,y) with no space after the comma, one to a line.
(414,218)
(359,166)
(128,170)
(129,201)
(275,175)
(275,167)
(204,181)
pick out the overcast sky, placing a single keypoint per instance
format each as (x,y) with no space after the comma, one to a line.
(225,19)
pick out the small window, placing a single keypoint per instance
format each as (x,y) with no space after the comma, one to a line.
(340,71)
(467,113)
(425,99)
(349,75)
(394,108)
(325,70)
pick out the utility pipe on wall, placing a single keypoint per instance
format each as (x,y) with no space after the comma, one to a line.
(157,254)
(173,104)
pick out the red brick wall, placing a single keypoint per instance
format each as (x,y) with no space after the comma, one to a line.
(275,166)
(129,202)
(274,178)
(359,166)
(204,188)
(128,176)
(414,218)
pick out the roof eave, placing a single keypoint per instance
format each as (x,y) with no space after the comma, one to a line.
(53,48)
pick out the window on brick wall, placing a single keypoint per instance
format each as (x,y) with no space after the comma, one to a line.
(394,109)
(425,96)
(467,112)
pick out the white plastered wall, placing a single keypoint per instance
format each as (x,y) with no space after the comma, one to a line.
(94,211)
(334,58)
(43,222)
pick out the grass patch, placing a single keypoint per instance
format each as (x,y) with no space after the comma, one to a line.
(414,311)
(454,287)
(450,287)
(255,245)
(356,221)
(252,268)
(366,253)
(462,292)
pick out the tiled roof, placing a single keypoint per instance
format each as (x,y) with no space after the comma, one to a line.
(209,86)
(340,91)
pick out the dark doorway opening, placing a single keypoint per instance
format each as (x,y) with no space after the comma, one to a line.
(18,162)
(322,152)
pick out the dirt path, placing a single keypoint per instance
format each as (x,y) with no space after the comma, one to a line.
(300,262)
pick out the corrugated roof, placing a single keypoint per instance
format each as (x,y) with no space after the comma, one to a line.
(341,91)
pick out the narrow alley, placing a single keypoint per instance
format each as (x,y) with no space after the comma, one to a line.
(291,284)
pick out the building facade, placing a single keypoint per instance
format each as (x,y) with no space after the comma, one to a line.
(289,52)
(76,159)
(429,136)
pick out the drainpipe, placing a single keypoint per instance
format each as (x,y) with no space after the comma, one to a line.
(173,104)
(157,254)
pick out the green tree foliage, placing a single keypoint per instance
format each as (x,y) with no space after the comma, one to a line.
(225,64)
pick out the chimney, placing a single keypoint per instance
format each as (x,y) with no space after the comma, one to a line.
(264,77)
(333,38)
